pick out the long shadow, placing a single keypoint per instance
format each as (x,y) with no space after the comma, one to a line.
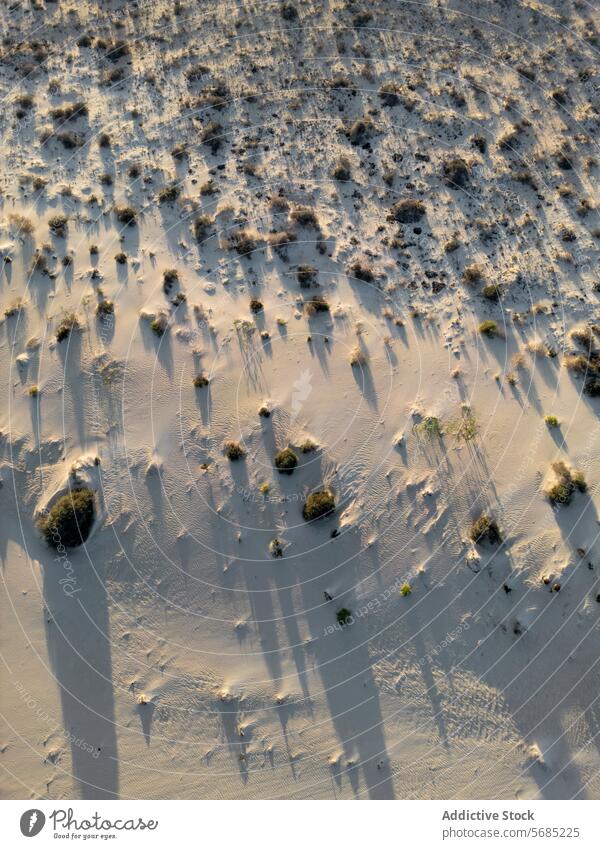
(79,647)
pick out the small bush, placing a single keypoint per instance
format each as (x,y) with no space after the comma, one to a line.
(344,616)
(211,135)
(21,223)
(306,275)
(565,483)
(491,291)
(342,170)
(126,215)
(408,211)
(472,273)
(70,519)
(430,426)
(276,548)
(256,305)
(358,357)
(58,225)
(200,381)
(105,308)
(405,589)
(485,529)
(362,270)
(361,131)
(318,505)
(316,305)
(286,461)
(307,446)
(551,421)
(159,324)
(202,227)
(233,450)
(67,324)
(456,172)
(388,94)
(169,194)
(306,217)
(244,242)
(488,327)
(121,258)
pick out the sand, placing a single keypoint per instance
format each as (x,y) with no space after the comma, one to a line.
(172,655)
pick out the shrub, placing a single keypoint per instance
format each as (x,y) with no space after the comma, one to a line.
(202,227)
(105,308)
(388,94)
(233,450)
(485,529)
(286,461)
(126,215)
(305,216)
(316,305)
(70,519)
(21,223)
(456,172)
(170,276)
(256,305)
(242,241)
(405,589)
(342,169)
(103,140)
(276,548)
(488,327)
(358,357)
(159,324)
(201,380)
(58,225)
(306,275)
(360,131)
(307,446)
(551,421)
(565,483)
(429,426)
(70,140)
(68,323)
(472,273)
(408,211)
(491,291)
(318,505)
(344,616)
(362,270)
(592,387)
(121,258)
(289,12)
(211,135)
(169,194)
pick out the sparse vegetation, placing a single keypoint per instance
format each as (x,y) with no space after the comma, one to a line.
(488,327)
(200,381)
(551,421)
(58,225)
(126,215)
(408,211)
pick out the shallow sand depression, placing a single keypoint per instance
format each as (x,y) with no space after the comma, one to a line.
(367,234)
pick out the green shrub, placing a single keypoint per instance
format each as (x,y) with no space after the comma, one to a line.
(485,528)
(551,421)
(233,450)
(344,616)
(318,505)
(565,483)
(68,323)
(286,461)
(104,308)
(405,589)
(488,327)
(70,519)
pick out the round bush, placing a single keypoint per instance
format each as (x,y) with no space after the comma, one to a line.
(70,519)
(286,461)
(318,505)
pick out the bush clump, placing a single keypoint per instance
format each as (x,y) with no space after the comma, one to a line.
(68,323)
(565,483)
(408,211)
(488,327)
(344,616)
(485,529)
(233,450)
(126,215)
(70,519)
(286,461)
(200,381)
(318,505)
(58,225)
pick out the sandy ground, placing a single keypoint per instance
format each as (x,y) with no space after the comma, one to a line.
(172,656)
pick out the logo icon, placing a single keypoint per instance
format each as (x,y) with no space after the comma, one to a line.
(32,822)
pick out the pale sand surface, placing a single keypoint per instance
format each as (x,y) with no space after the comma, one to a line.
(483,682)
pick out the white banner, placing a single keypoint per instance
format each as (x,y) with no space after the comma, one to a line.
(289,824)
